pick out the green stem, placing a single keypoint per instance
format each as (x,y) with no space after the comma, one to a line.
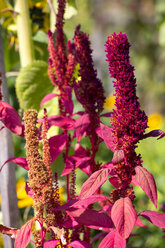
(24,32)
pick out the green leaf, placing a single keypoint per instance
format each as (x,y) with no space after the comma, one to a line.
(162,34)
(33,84)
(40,36)
(72,3)
(70,10)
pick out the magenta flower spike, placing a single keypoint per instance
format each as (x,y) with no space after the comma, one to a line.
(89,90)
(128,120)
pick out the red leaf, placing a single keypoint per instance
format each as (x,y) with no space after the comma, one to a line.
(157,219)
(51,243)
(140,223)
(106,134)
(92,218)
(81,126)
(94,182)
(147,183)
(69,166)
(60,121)
(57,144)
(24,235)
(47,98)
(79,244)
(12,232)
(87,201)
(10,118)
(134,181)
(18,160)
(124,216)
(113,240)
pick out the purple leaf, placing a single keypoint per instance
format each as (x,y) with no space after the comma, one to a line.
(157,219)
(124,216)
(57,144)
(147,183)
(10,118)
(60,121)
(92,218)
(51,243)
(79,244)
(94,182)
(69,166)
(113,240)
(118,156)
(18,160)
(24,235)
(84,165)
(154,133)
(105,133)
(81,125)
(47,98)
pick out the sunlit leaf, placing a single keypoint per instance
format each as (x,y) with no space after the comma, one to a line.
(24,235)
(33,84)
(113,240)
(157,219)
(124,216)
(147,183)
(95,181)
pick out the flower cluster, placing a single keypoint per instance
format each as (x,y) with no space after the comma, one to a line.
(89,89)
(128,120)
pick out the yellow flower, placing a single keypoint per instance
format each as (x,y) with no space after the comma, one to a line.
(109,102)
(155,121)
(23,199)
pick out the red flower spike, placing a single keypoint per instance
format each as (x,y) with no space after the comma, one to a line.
(124,216)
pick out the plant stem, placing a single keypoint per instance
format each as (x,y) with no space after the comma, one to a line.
(26,50)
